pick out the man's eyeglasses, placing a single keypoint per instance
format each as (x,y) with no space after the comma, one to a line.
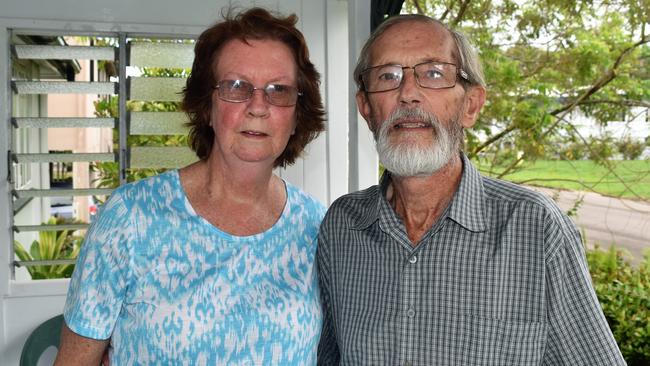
(238,91)
(430,75)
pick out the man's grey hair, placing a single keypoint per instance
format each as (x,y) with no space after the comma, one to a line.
(466,55)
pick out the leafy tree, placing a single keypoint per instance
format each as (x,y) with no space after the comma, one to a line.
(546,62)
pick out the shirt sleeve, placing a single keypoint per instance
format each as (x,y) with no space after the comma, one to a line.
(578,332)
(328,350)
(99,281)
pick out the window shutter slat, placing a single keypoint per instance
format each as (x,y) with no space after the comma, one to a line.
(26,193)
(45,52)
(63,158)
(170,55)
(60,122)
(157,89)
(158,123)
(64,87)
(161,157)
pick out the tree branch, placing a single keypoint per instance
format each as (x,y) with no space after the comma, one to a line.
(624,103)
(607,77)
(561,112)
(461,12)
(494,138)
(418,7)
(446,12)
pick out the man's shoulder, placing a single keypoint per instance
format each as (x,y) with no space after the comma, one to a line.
(504,191)
(354,207)
(499,193)
(359,199)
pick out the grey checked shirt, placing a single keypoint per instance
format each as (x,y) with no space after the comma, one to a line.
(500,279)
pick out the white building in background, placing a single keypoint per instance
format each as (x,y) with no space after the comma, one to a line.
(634,125)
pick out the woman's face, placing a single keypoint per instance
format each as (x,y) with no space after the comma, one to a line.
(254,130)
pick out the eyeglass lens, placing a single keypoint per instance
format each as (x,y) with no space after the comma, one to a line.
(241,91)
(431,75)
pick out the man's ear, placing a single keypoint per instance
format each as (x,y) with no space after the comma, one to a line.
(474,100)
(363,104)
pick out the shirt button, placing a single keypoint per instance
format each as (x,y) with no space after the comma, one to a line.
(410,313)
(413,259)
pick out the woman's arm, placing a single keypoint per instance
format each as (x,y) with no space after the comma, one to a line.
(78,350)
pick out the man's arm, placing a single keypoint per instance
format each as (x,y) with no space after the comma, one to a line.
(77,350)
(328,350)
(578,332)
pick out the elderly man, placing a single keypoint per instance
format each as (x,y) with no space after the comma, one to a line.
(438,265)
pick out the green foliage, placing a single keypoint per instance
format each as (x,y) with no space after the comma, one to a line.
(573,151)
(51,245)
(546,63)
(600,148)
(108,172)
(630,149)
(624,294)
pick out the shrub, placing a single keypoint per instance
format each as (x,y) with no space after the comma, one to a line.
(600,148)
(574,151)
(630,149)
(624,294)
(50,246)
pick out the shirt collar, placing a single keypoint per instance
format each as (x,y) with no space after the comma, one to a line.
(375,202)
(466,208)
(468,205)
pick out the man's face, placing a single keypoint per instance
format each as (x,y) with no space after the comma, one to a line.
(417,129)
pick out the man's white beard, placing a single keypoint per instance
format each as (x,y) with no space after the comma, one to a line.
(410,160)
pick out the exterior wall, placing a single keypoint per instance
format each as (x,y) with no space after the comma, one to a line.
(333,28)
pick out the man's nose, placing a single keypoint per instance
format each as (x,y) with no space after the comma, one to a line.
(410,92)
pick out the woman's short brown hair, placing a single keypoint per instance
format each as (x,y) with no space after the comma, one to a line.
(253,24)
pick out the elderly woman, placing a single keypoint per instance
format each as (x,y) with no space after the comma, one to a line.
(213,263)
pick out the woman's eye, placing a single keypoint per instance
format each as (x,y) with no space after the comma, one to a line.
(278,88)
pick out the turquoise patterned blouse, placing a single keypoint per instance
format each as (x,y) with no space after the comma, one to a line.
(169,288)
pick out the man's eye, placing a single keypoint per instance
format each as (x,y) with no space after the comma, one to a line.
(433,74)
(388,76)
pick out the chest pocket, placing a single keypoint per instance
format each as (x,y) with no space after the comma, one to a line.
(499,342)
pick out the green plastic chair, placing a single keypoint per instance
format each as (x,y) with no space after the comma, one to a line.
(46,335)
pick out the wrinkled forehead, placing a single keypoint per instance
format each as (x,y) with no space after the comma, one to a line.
(416,39)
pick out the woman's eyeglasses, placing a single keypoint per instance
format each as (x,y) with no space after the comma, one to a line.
(238,91)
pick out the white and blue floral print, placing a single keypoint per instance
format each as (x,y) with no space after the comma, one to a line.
(170,288)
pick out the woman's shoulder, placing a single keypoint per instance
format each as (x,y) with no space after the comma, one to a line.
(298,198)
(163,184)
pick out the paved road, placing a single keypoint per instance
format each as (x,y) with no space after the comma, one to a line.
(608,221)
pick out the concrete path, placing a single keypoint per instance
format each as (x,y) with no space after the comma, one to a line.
(606,221)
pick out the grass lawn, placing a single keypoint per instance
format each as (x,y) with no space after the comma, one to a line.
(629,179)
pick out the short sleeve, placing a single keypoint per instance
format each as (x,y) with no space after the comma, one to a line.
(578,333)
(99,282)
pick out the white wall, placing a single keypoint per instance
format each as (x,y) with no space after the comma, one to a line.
(334,30)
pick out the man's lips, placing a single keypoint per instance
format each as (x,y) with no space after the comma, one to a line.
(411,124)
